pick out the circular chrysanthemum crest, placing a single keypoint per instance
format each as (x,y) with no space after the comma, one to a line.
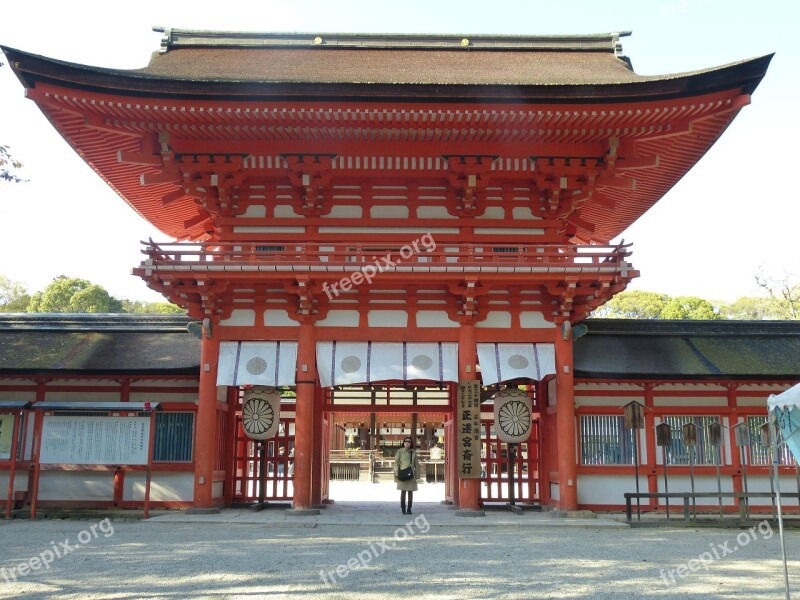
(260,412)
(257,416)
(513,414)
(515,418)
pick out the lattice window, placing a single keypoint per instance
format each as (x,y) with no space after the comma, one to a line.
(173,439)
(703,453)
(759,453)
(605,441)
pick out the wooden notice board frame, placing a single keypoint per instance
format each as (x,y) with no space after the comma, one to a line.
(115,409)
(468,429)
(17,409)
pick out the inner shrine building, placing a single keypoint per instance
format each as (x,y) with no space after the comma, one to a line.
(364,221)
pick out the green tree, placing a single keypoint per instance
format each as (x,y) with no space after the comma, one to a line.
(150,308)
(750,308)
(633,305)
(73,295)
(8,166)
(14,295)
(690,308)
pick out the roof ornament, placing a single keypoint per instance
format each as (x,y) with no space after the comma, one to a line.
(617,44)
(165,39)
(175,38)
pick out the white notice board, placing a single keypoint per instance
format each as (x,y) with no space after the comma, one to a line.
(95,440)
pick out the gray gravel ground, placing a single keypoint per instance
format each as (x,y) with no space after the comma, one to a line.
(155,560)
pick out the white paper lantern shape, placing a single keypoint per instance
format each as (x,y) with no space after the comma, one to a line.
(513,416)
(261,411)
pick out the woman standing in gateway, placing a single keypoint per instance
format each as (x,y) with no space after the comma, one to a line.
(404,460)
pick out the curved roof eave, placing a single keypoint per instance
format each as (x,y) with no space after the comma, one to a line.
(30,68)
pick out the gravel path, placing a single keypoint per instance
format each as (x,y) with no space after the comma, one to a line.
(152,560)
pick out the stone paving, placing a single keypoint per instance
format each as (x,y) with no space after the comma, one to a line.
(359,504)
(363,547)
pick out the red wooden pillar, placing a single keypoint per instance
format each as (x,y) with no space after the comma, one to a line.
(451,454)
(41,390)
(38,425)
(737,482)
(33,476)
(119,474)
(151,446)
(119,486)
(230,449)
(206,430)
(650,444)
(469,490)
(125,390)
(304,417)
(318,459)
(544,460)
(13,465)
(565,425)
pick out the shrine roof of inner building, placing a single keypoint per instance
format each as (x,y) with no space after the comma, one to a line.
(430,68)
(94,344)
(672,350)
(611,349)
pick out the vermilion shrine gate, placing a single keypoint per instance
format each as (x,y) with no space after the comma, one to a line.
(394,212)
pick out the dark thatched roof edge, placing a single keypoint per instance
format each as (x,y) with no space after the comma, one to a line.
(688,350)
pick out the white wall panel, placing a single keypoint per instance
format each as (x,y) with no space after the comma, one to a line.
(344,212)
(529,319)
(254,211)
(240,317)
(495,318)
(84,396)
(388,212)
(611,401)
(434,212)
(286,211)
(434,318)
(493,212)
(164,398)
(164,487)
(279,318)
(387,318)
(702,483)
(26,396)
(20,483)
(76,485)
(340,318)
(689,401)
(608,489)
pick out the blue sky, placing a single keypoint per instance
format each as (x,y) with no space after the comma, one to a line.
(736,212)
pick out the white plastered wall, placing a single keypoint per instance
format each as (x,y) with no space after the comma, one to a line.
(164,487)
(76,485)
